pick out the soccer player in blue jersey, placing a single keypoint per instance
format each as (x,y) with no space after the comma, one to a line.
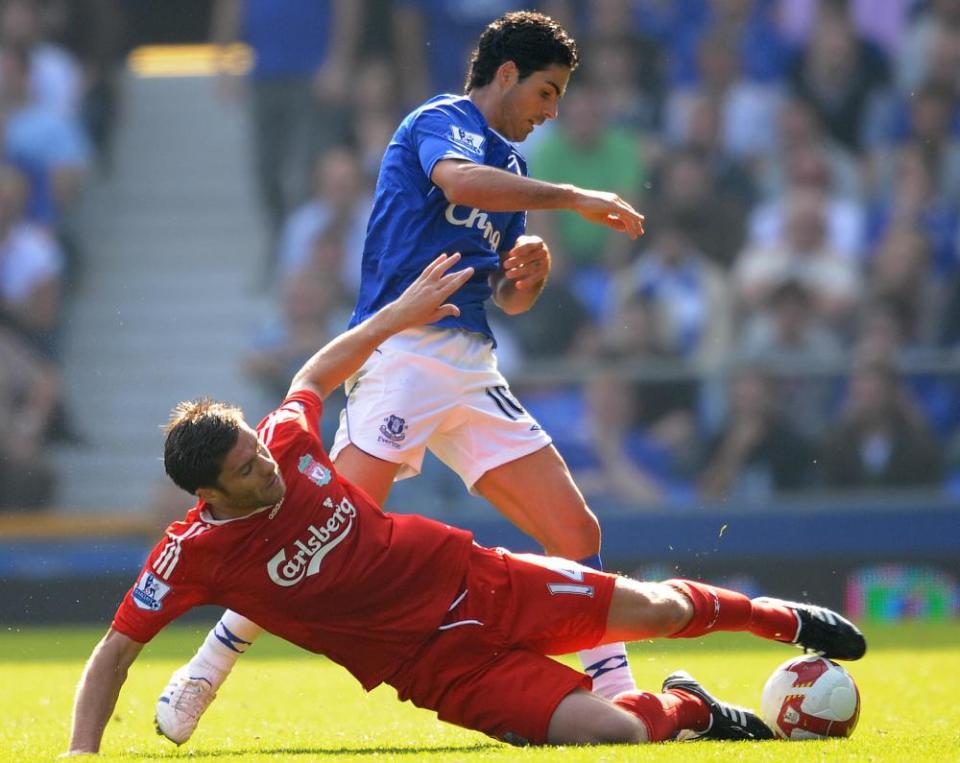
(453,180)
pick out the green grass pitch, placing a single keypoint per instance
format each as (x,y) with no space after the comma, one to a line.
(284,704)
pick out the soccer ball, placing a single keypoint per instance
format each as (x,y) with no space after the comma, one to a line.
(810,698)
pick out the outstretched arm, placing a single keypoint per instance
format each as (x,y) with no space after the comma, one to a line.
(99,688)
(496,190)
(424,301)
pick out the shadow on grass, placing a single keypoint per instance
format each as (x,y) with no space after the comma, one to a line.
(291,751)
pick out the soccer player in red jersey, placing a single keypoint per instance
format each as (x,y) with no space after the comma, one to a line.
(400,599)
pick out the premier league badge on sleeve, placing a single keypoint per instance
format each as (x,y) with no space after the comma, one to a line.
(468,140)
(149,592)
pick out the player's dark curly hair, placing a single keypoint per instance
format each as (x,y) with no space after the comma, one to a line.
(199,435)
(529,39)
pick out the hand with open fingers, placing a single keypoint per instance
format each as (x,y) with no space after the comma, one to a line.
(608,209)
(528,263)
(424,301)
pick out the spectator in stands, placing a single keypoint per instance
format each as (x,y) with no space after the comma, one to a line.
(882,24)
(311,313)
(688,293)
(628,63)
(788,335)
(730,175)
(48,145)
(914,200)
(929,118)
(746,108)
(638,463)
(757,453)
(713,220)
(808,166)
(803,254)
(340,206)
(303,55)
(885,332)
(375,112)
(587,150)
(433,42)
(929,43)
(29,393)
(944,58)
(558,326)
(611,454)
(900,275)
(664,403)
(55,80)
(97,33)
(752,28)
(881,440)
(31,265)
(799,129)
(841,75)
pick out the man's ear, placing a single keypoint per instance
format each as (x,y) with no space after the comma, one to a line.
(508,74)
(209,494)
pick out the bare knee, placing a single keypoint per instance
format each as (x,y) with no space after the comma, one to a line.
(585,718)
(674,609)
(575,535)
(646,610)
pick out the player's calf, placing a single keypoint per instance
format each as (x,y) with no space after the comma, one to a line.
(815,629)
(582,717)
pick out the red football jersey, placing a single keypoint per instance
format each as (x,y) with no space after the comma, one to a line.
(326,568)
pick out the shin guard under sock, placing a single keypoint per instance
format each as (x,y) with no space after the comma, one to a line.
(607,664)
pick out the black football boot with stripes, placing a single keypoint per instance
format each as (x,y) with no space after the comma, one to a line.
(726,721)
(822,631)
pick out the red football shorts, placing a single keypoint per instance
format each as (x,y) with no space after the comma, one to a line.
(486,668)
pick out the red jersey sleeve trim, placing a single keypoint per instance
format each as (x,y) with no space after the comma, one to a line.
(302,410)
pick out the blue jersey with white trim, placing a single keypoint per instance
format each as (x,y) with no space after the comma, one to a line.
(412,222)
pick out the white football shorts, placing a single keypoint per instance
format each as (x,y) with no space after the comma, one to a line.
(439,389)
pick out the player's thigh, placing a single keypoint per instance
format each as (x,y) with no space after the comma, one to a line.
(642,610)
(555,606)
(487,427)
(537,493)
(394,405)
(509,694)
(371,474)
(585,718)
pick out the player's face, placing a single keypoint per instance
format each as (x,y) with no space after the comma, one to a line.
(530,102)
(250,479)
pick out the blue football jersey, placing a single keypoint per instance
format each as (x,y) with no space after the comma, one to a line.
(412,222)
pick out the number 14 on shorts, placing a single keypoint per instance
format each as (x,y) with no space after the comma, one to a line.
(571,571)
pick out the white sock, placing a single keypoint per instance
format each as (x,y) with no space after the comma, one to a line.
(608,667)
(225,642)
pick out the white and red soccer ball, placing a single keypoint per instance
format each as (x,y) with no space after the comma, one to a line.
(810,698)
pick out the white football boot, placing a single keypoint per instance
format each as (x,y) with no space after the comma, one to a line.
(182,703)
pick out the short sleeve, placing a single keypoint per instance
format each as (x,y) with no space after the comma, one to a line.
(170,583)
(299,414)
(447,133)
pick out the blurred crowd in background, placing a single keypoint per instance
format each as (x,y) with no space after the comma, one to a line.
(59,77)
(788,324)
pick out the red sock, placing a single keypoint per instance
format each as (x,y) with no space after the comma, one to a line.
(771,620)
(714,609)
(666,714)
